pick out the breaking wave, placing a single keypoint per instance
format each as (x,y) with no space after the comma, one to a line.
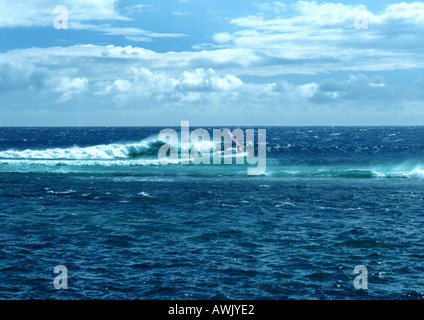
(383,172)
(145,153)
(147,147)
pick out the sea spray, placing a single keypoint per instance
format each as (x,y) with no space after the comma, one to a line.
(202,156)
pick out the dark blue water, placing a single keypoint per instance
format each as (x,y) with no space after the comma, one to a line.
(96,201)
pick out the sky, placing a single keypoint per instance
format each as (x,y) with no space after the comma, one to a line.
(211,62)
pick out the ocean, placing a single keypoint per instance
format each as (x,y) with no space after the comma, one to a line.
(96,203)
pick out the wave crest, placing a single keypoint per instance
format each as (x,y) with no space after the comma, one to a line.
(98,152)
(415,172)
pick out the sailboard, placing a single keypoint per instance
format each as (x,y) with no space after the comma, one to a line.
(238,145)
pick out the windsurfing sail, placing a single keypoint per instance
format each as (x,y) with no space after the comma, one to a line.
(239,146)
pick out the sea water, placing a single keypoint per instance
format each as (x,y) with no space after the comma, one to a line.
(98,202)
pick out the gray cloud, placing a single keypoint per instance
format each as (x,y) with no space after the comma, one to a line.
(15,76)
(373,91)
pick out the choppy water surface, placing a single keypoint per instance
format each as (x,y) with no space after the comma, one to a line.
(97,201)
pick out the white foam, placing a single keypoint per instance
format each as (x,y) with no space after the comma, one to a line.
(98,152)
(417,172)
(399,172)
(67,162)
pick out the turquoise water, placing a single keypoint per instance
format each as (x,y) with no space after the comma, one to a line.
(97,201)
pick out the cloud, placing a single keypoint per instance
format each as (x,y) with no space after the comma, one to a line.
(140,8)
(411,12)
(41,12)
(304,59)
(93,15)
(71,87)
(207,80)
(157,87)
(275,8)
(309,38)
(129,33)
(323,37)
(223,37)
(132,76)
(360,92)
(20,76)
